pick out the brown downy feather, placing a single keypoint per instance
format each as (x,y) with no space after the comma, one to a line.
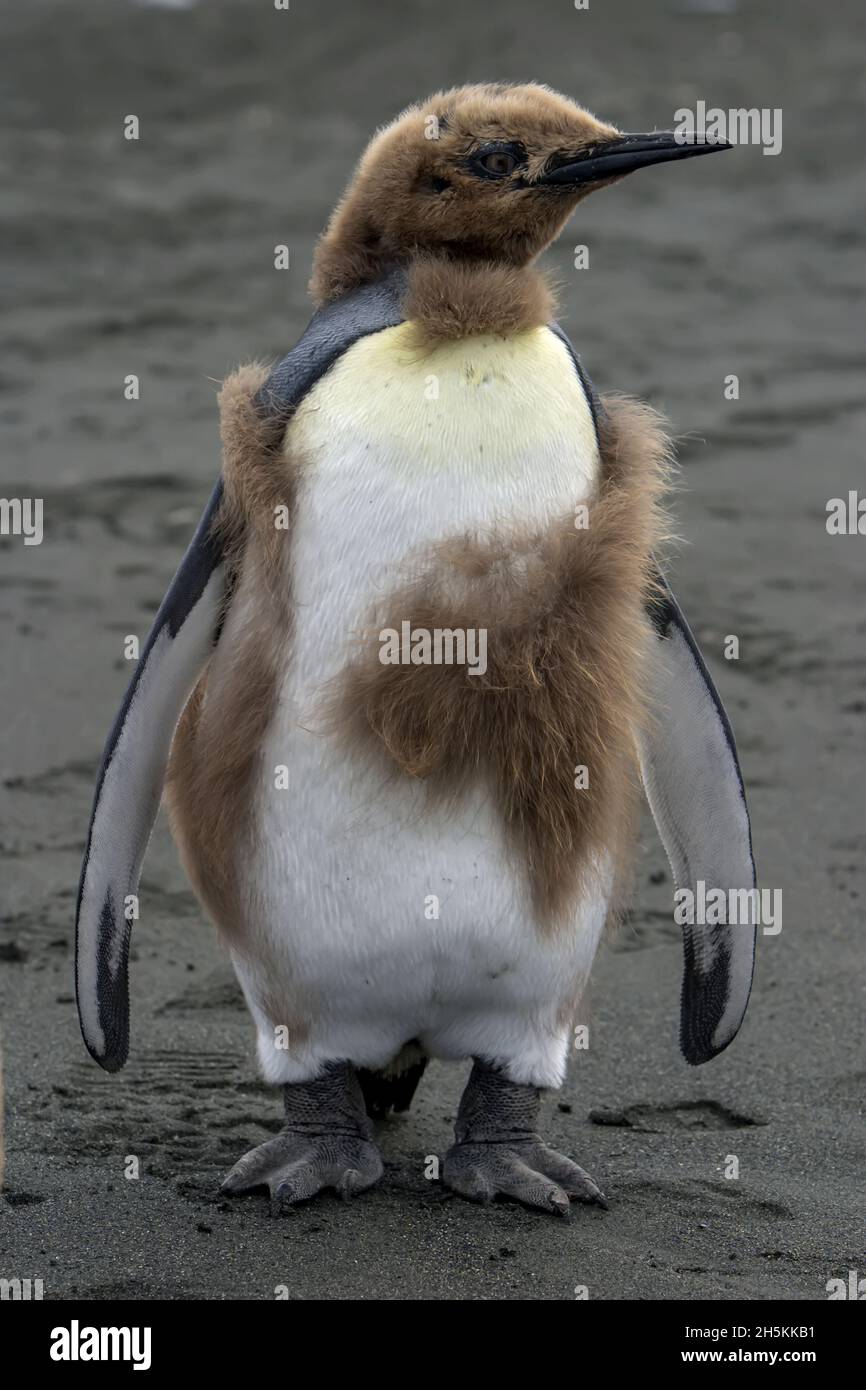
(445,300)
(216,753)
(566,646)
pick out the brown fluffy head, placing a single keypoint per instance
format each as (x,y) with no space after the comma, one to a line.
(456,176)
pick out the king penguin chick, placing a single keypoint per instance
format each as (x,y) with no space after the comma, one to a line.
(410,668)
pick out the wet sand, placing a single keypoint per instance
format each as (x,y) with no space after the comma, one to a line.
(155,258)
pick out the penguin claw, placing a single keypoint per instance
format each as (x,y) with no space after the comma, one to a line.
(561,1205)
(572,1178)
(351,1182)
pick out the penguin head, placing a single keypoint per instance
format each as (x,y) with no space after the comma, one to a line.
(481,173)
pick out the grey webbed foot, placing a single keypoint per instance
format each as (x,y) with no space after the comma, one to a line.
(326,1142)
(498,1152)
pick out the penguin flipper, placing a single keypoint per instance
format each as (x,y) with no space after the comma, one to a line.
(129,787)
(694,787)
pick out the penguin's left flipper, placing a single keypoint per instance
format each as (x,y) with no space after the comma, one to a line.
(694,787)
(129,787)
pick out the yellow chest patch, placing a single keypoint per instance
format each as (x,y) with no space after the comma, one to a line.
(485,406)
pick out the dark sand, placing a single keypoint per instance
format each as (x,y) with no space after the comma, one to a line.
(156,258)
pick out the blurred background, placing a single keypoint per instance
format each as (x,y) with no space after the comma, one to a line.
(155,257)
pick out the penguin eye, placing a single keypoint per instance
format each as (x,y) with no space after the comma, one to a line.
(499,163)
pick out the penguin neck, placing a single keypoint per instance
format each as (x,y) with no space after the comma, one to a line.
(448,295)
(448,298)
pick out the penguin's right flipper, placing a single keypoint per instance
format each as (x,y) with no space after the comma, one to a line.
(129,787)
(694,787)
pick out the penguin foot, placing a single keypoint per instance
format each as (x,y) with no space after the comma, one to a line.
(326,1142)
(498,1153)
(295,1167)
(526,1171)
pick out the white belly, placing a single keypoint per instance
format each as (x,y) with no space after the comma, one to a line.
(370,915)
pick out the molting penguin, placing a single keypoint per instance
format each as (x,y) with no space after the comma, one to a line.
(410,853)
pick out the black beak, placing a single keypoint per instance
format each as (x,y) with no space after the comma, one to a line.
(626,153)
